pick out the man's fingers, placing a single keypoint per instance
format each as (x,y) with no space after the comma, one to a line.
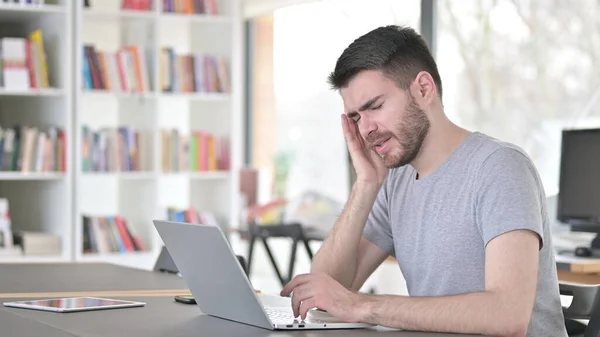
(300,294)
(353,139)
(295,282)
(352,128)
(357,136)
(346,127)
(306,305)
(350,134)
(348,131)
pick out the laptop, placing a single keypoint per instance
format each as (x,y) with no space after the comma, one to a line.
(220,286)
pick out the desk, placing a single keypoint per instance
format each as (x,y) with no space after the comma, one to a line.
(578,269)
(12,324)
(161,316)
(82,277)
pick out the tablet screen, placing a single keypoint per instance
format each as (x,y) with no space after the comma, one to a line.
(76,302)
(73,304)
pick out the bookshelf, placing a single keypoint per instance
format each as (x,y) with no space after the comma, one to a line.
(166,117)
(138,144)
(35,112)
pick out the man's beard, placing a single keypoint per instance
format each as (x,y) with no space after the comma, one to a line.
(409,134)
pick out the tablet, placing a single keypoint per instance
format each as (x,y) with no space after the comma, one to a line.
(73,304)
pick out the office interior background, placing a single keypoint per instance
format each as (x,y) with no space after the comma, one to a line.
(114,113)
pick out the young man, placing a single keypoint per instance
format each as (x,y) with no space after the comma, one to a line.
(464,214)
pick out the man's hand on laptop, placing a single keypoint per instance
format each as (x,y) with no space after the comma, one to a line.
(323,292)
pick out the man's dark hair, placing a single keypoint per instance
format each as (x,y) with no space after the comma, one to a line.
(399,52)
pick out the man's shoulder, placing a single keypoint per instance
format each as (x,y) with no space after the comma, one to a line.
(479,152)
(503,166)
(490,154)
(480,158)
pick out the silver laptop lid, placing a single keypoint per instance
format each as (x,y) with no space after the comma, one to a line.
(206,261)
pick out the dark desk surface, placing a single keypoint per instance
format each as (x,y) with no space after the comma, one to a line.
(164,317)
(15,325)
(76,277)
(161,316)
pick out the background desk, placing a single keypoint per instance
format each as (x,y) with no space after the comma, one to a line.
(161,316)
(578,270)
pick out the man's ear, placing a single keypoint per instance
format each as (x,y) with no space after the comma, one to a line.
(423,89)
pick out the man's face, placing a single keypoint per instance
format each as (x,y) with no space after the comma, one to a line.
(388,117)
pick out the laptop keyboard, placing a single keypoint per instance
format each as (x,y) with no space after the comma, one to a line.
(280,316)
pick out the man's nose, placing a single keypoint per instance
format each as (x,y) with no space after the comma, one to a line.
(366,126)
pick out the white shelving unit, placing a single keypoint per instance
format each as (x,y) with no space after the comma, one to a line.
(58,202)
(40,201)
(143,196)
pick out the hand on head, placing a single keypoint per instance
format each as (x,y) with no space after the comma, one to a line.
(367,163)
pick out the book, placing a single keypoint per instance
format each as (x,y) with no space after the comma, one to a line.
(6,236)
(23,63)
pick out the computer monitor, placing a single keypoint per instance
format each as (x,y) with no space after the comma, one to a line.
(578,202)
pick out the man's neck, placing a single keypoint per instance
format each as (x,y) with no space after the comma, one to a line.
(443,139)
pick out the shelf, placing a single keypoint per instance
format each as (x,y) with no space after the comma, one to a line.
(31,176)
(195,18)
(31,259)
(17,12)
(119,95)
(141,196)
(200,96)
(119,15)
(216,175)
(210,175)
(50,92)
(141,175)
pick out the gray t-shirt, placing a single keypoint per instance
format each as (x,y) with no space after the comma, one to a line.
(438,227)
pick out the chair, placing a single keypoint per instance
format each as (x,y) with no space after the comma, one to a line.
(294,231)
(583,307)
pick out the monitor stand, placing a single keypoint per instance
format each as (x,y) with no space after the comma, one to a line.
(595,245)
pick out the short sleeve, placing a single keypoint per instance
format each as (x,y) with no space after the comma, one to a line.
(508,195)
(377,229)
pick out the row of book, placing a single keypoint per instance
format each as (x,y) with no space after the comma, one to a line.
(6,236)
(137,5)
(109,234)
(199,151)
(190,6)
(111,149)
(125,70)
(191,215)
(33,149)
(169,6)
(193,73)
(23,62)
(22,2)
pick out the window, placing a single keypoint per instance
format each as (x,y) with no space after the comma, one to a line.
(521,71)
(308,151)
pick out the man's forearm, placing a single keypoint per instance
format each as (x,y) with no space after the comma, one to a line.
(485,313)
(338,253)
